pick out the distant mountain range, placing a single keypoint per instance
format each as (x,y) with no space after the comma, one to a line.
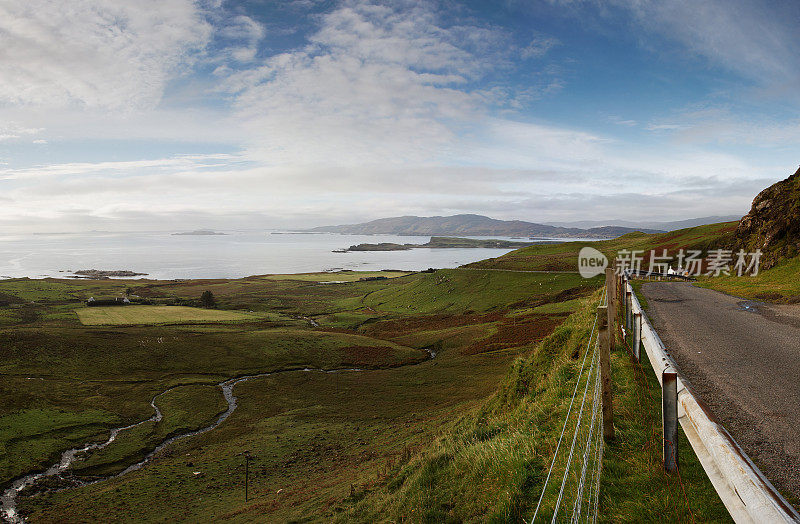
(665,226)
(474,225)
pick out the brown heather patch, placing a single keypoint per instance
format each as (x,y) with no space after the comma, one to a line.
(516,332)
(395,328)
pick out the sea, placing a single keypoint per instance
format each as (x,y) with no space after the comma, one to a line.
(165,256)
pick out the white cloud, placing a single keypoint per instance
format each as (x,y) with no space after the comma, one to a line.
(77,169)
(375,85)
(538,47)
(720,126)
(240,35)
(622,122)
(95,53)
(663,127)
(744,36)
(12,131)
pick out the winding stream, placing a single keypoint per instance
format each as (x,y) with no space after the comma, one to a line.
(8,500)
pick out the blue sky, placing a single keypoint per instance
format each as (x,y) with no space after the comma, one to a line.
(166,114)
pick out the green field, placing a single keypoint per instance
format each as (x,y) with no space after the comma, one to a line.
(352,445)
(338,276)
(65,383)
(151,315)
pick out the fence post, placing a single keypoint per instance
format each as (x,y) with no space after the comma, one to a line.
(669,410)
(604,341)
(637,334)
(611,293)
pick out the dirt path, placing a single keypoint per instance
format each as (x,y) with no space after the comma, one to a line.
(743,359)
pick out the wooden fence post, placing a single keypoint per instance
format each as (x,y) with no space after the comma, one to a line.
(637,334)
(611,293)
(669,416)
(604,340)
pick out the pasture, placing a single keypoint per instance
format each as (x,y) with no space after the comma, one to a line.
(154,315)
(338,276)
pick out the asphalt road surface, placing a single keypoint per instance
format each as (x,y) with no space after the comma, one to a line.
(742,359)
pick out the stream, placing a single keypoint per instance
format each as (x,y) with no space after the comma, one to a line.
(8,499)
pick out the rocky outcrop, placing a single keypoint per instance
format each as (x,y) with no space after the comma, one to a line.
(97,273)
(773,223)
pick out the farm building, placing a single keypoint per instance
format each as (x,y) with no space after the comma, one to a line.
(118,301)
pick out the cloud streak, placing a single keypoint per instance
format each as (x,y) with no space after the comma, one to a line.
(92,53)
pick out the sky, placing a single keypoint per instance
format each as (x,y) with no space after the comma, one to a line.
(174,114)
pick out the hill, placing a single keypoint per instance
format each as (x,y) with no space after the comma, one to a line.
(773,223)
(445,243)
(471,225)
(660,225)
(563,256)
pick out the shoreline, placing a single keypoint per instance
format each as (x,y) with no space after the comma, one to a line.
(336,271)
(232,256)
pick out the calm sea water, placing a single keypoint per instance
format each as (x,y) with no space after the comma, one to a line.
(237,254)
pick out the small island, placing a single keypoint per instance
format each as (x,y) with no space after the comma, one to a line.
(97,274)
(440,243)
(199,232)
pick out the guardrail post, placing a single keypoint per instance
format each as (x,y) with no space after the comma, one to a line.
(637,334)
(604,341)
(628,310)
(669,417)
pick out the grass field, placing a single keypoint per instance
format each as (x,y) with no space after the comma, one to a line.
(153,315)
(312,434)
(357,445)
(337,276)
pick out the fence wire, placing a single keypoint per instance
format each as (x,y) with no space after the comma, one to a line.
(582,462)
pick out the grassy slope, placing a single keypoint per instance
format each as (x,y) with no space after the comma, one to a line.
(564,256)
(491,463)
(458,291)
(779,283)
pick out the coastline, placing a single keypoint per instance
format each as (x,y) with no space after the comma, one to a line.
(234,255)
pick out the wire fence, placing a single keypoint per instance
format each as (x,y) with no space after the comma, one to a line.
(576,497)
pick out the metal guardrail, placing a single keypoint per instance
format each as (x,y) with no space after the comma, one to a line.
(660,276)
(747,494)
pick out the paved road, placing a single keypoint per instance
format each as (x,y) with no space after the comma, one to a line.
(743,359)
